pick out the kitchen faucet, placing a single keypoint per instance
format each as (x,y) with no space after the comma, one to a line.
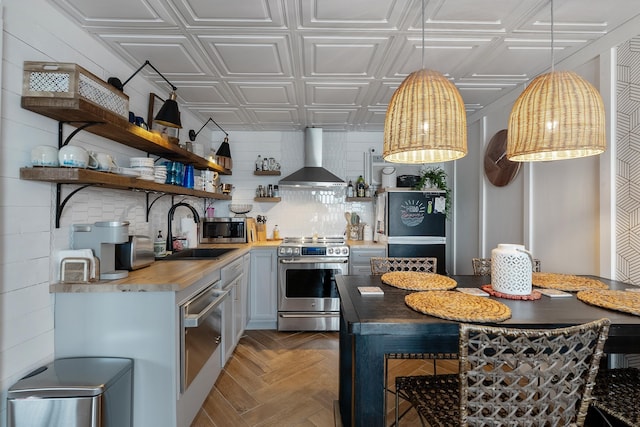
(196,219)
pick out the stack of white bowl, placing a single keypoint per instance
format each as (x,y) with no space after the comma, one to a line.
(144,165)
(160,174)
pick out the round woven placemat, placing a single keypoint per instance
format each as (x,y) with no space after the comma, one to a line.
(534,295)
(458,306)
(418,281)
(627,302)
(566,282)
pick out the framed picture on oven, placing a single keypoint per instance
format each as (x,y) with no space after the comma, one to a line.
(155,103)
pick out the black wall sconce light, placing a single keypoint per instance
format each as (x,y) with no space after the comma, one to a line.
(169,115)
(193,135)
(223,155)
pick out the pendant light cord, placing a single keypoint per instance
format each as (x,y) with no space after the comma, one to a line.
(423,1)
(552,41)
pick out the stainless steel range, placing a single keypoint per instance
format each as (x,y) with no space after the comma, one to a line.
(307,293)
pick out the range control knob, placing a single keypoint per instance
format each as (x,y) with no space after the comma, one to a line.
(330,251)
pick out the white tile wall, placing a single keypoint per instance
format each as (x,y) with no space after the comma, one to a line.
(34,31)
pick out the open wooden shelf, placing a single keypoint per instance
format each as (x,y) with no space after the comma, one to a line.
(267,199)
(109,180)
(77,112)
(272,173)
(359,199)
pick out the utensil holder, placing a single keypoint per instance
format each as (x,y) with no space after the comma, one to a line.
(261,232)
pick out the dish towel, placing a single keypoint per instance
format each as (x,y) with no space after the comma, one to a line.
(380,208)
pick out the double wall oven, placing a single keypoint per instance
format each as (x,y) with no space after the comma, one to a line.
(307,293)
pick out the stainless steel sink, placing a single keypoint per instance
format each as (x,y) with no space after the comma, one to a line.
(198,253)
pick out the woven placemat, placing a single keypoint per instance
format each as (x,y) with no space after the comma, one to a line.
(534,295)
(566,282)
(418,281)
(627,302)
(458,306)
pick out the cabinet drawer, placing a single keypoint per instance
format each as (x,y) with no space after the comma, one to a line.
(231,271)
(361,256)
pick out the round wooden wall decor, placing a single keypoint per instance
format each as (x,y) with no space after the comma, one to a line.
(499,170)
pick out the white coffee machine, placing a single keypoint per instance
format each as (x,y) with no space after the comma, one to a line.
(102,238)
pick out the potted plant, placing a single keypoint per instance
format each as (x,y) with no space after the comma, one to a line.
(435,177)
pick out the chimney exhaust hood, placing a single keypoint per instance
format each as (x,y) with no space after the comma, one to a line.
(312,174)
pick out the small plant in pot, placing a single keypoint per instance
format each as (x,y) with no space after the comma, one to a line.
(435,177)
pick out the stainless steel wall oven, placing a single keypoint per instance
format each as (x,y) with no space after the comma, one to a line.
(307,294)
(201,326)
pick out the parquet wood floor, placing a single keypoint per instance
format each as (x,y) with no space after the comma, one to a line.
(287,379)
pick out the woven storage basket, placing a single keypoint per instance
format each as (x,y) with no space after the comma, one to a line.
(66,80)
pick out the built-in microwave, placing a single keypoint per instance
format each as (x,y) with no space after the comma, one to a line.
(223,230)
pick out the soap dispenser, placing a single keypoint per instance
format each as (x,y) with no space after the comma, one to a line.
(159,245)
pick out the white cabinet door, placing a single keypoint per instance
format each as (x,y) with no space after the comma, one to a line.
(241,300)
(263,290)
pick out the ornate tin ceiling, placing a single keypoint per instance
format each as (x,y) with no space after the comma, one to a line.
(288,64)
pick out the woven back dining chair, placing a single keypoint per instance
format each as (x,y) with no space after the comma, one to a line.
(512,377)
(381,265)
(482,266)
(616,396)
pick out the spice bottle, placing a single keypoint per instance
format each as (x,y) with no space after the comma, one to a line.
(360,186)
(259,163)
(350,189)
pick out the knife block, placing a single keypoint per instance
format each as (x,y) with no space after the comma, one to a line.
(261,232)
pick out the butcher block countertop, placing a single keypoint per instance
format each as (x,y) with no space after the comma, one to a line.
(166,276)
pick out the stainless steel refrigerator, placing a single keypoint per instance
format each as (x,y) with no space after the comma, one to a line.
(415,224)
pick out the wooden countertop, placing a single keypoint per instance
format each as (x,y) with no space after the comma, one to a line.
(166,276)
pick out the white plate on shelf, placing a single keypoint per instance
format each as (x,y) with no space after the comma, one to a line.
(126,172)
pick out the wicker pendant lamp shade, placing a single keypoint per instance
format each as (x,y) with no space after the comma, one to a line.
(559,116)
(426,121)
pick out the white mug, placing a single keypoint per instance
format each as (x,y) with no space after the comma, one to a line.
(105,162)
(71,156)
(44,155)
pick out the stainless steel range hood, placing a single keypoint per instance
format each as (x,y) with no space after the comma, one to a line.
(312,174)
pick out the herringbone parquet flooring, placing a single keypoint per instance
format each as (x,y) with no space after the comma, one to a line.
(288,379)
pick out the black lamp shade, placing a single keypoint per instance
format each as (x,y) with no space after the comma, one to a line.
(169,115)
(224,150)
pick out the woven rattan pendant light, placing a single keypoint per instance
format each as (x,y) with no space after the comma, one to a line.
(559,116)
(426,120)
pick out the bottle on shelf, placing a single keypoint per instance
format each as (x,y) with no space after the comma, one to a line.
(360,186)
(259,163)
(350,189)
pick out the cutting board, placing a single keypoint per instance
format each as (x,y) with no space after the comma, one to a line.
(252,234)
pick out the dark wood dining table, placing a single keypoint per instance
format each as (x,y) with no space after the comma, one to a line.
(374,325)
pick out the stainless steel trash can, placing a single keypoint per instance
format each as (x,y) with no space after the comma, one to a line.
(74,392)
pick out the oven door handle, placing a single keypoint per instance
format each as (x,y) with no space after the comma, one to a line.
(193,320)
(310,315)
(315,261)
